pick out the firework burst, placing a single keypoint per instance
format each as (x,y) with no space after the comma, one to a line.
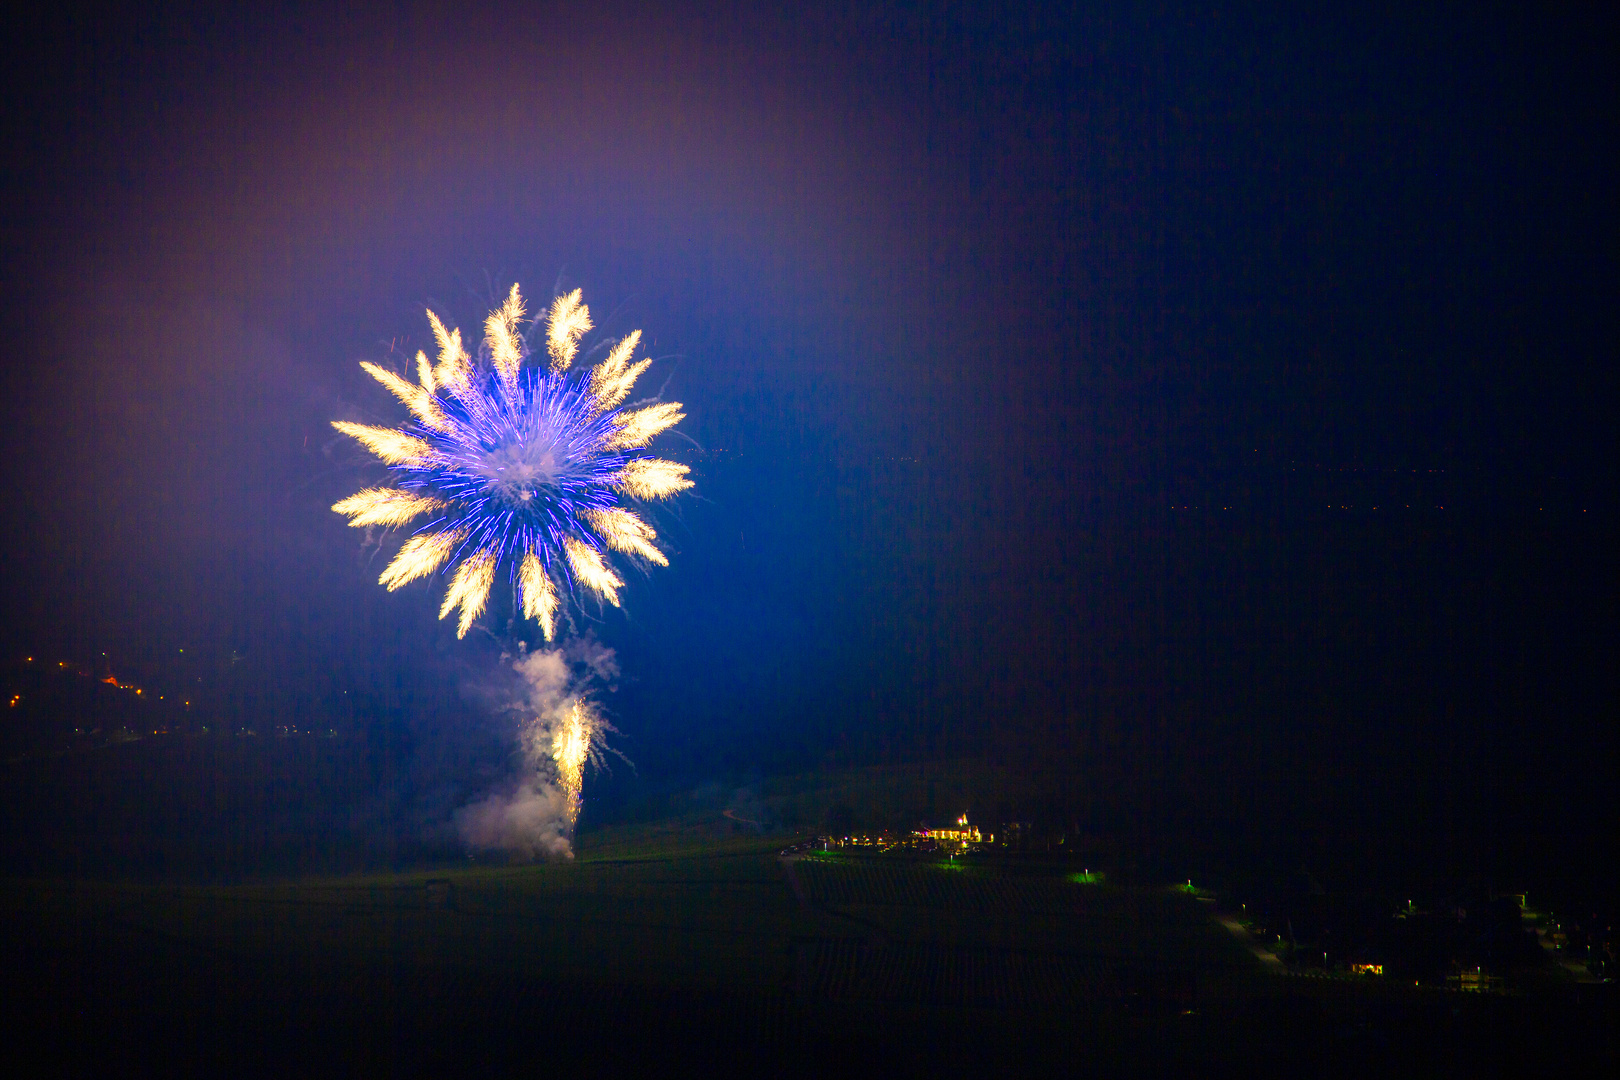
(528,467)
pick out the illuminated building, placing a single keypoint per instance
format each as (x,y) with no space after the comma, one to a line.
(1476,981)
(960,833)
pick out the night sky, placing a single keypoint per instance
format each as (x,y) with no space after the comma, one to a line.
(1214,404)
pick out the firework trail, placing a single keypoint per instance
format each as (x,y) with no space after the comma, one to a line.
(519,467)
(573,743)
(562,731)
(560,734)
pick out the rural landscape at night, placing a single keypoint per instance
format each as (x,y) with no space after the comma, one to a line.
(896,540)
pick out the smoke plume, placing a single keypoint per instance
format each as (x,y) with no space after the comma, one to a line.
(528,823)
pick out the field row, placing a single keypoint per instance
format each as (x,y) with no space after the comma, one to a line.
(939,888)
(917,973)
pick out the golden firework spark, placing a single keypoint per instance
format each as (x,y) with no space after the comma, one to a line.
(421,555)
(652,478)
(385,506)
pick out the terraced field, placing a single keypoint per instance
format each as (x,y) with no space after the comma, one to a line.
(973,937)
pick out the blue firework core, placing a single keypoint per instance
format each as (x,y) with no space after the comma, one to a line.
(522,467)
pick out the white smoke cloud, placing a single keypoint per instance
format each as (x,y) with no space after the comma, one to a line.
(528,823)
(532,820)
